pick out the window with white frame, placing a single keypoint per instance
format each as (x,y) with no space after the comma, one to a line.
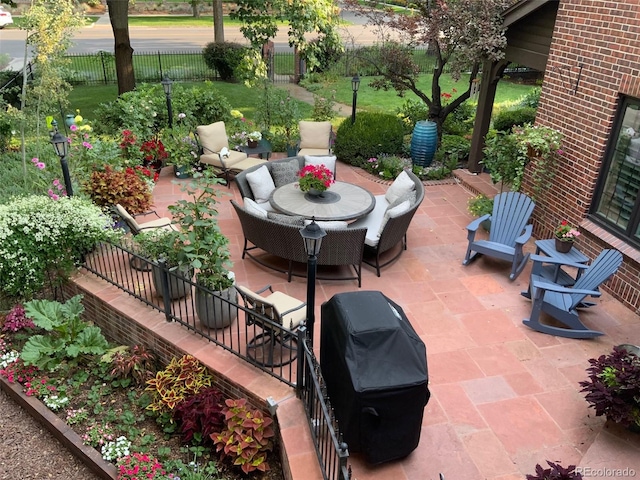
(617,204)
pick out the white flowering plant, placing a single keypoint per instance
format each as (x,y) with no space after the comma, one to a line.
(119,448)
(255,136)
(41,236)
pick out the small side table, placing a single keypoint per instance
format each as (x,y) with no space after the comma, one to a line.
(555,272)
(263,150)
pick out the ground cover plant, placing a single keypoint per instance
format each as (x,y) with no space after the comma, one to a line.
(166,422)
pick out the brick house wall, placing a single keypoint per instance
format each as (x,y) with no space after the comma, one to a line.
(603,37)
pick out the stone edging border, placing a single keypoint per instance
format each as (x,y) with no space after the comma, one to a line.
(60,430)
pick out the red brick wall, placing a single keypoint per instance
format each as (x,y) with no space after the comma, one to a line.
(603,37)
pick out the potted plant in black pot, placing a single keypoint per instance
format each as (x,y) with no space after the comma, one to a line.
(162,248)
(206,250)
(182,147)
(613,388)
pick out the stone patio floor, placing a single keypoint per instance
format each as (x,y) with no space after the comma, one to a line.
(504,397)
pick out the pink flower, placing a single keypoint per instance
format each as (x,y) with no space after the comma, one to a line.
(73,128)
(40,165)
(87,145)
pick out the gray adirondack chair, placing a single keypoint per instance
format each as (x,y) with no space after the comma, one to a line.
(509,231)
(562,303)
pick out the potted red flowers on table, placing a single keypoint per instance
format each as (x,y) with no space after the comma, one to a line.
(565,234)
(315,179)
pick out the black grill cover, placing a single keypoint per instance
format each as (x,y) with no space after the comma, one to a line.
(375,368)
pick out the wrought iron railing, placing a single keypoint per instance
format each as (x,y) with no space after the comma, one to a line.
(154,284)
(332,452)
(216,316)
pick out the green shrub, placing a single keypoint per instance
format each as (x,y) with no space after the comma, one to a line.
(500,157)
(372,135)
(411,112)
(40,236)
(532,98)
(453,149)
(144,110)
(507,119)
(322,55)
(460,121)
(224,57)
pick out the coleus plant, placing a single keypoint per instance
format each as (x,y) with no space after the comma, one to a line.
(182,378)
(613,388)
(200,415)
(556,472)
(246,438)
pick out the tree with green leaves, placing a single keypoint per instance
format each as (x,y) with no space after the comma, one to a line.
(461,34)
(260,24)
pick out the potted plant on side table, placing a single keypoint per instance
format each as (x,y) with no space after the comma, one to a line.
(206,250)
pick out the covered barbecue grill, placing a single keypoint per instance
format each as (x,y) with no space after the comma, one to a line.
(375,368)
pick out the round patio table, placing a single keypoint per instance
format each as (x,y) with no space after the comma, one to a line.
(343,201)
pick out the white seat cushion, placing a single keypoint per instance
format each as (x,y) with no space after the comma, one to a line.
(400,186)
(372,221)
(254,209)
(330,225)
(393,213)
(261,184)
(329,162)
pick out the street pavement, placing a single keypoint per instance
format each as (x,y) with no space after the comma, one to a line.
(99,37)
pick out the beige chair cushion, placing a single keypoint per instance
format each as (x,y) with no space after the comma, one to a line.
(313,151)
(274,304)
(315,135)
(163,223)
(213,137)
(230,162)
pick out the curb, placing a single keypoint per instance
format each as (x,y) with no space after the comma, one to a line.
(60,430)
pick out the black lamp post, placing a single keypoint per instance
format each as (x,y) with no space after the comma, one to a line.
(167,84)
(312,235)
(355,84)
(61,144)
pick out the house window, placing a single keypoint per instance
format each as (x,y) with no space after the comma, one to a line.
(618,205)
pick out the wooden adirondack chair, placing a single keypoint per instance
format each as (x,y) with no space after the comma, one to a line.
(562,303)
(509,231)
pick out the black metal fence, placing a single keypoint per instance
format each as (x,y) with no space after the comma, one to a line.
(216,316)
(333,453)
(189,66)
(219,318)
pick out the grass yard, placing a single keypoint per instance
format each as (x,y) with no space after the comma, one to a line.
(508,93)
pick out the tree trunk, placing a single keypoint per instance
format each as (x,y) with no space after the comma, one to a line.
(119,17)
(218,24)
(195,8)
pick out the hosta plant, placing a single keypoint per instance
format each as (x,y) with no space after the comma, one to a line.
(246,438)
(68,337)
(613,388)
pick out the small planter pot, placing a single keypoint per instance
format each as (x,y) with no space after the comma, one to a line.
(563,247)
(292,151)
(183,172)
(252,143)
(178,285)
(212,309)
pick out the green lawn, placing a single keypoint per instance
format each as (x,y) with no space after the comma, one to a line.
(369,99)
(87,98)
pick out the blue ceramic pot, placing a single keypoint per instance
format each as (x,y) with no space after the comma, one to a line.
(424,142)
